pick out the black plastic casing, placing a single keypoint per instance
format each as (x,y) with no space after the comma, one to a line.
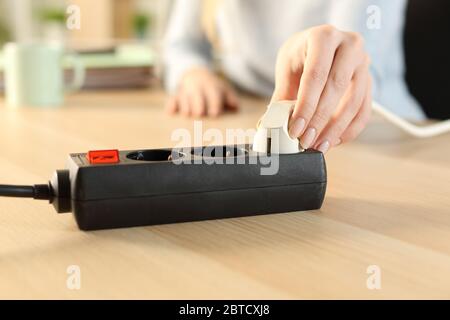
(155,190)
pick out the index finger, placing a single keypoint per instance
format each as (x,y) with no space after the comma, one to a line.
(320,53)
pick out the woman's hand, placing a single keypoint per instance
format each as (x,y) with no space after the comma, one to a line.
(202,93)
(327,72)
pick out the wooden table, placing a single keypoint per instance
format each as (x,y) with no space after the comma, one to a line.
(387,204)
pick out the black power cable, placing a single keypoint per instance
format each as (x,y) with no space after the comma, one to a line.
(38,191)
(57,191)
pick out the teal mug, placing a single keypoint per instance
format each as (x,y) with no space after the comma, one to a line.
(34,73)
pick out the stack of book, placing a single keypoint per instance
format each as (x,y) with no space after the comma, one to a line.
(119,68)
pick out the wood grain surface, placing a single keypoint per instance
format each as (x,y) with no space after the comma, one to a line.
(387,204)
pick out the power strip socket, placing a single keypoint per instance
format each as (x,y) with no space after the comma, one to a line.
(114,189)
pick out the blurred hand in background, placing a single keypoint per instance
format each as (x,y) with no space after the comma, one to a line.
(201,93)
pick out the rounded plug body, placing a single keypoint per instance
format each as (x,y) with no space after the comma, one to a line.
(272,135)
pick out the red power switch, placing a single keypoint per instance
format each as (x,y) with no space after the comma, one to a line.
(103,156)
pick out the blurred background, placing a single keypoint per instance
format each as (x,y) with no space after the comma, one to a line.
(103,20)
(117,40)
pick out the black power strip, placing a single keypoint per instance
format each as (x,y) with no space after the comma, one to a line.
(114,189)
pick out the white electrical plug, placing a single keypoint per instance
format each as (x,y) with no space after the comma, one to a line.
(272,135)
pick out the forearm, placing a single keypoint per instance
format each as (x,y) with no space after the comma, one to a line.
(186,45)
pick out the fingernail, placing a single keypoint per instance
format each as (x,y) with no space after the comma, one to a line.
(324,146)
(308,138)
(338,142)
(297,128)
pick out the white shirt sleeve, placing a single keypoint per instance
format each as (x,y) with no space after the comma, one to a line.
(381,23)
